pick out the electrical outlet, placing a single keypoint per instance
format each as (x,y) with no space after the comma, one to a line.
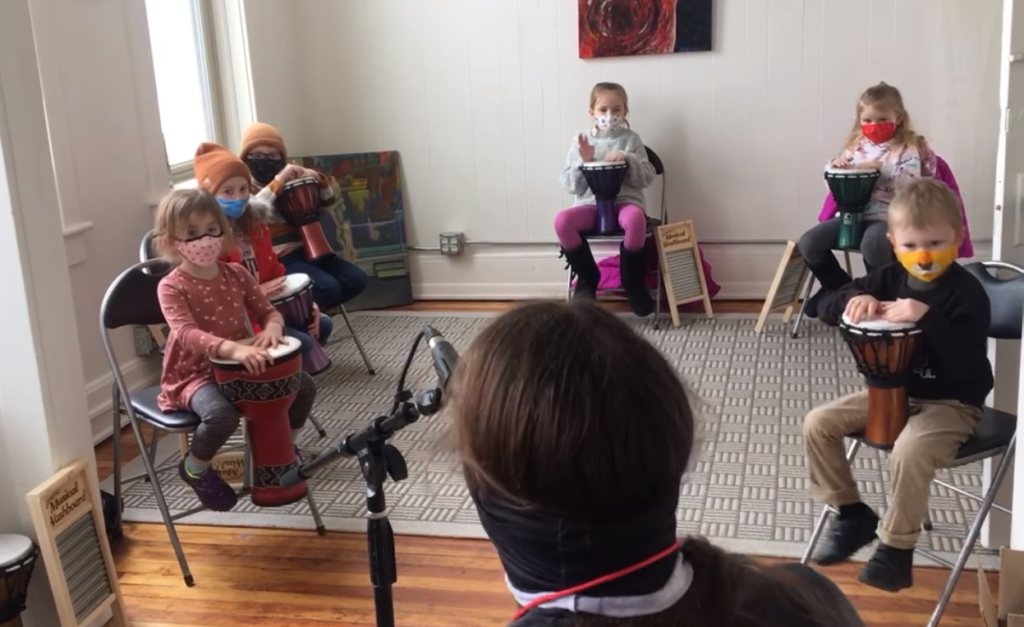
(452,244)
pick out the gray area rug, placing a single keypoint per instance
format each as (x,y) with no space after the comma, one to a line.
(748,487)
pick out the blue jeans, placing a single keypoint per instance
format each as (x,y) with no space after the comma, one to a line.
(307,340)
(335,281)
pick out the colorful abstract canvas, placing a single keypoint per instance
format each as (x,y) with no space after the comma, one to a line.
(366,224)
(621,28)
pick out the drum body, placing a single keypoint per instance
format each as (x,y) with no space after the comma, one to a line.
(299,205)
(17,561)
(852,190)
(295,303)
(264,399)
(884,352)
(605,180)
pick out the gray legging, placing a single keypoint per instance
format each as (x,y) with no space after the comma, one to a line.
(221,419)
(817,244)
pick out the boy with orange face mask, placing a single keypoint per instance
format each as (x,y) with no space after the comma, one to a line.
(947,387)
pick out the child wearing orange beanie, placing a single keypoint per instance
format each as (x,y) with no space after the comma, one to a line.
(335,280)
(224,175)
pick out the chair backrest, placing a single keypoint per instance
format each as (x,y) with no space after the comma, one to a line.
(131,300)
(1006,297)
(147,249)
(659,167)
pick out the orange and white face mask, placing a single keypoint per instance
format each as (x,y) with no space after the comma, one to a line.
(928,264)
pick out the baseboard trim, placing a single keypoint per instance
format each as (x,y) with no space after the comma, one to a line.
(139,372)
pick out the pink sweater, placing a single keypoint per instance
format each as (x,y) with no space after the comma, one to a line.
(202,314)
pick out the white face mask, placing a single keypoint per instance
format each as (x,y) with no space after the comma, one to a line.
(610,122)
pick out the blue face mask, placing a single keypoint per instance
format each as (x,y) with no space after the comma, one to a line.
(233,208)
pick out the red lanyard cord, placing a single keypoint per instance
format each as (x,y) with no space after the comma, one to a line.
(547,598)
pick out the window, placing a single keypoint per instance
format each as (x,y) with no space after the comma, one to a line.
(186,85)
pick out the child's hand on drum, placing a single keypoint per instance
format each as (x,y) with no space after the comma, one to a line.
(255,359)
(586,150)
(903,310)
(615,156)
(270,336)
(314,325)
(863,307)
(840,164)
(273,286)
(290,173)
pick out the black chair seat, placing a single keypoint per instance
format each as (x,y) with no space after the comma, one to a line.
(993,433)
(652,223)
(145,406)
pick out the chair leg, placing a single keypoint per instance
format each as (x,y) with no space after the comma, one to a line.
(161,503)
(316,425)
(849,266)
(568,285)
(315,511)
(657,302)
(359,345)
(803,303)
(972,536)
(115,404)
(826,512)
(927,524)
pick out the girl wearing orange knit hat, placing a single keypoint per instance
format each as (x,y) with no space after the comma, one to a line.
(335,280)
(224,175)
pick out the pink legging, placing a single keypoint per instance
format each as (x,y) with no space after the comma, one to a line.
(570,222)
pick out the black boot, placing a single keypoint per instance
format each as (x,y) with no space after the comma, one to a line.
(581,260)
(890,569)
(633,270)
(853,529)
(831,276)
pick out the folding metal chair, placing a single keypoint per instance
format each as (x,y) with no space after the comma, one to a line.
(996,433)
(652,224)
(131,300)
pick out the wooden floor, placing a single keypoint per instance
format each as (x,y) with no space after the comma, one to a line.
(266,577)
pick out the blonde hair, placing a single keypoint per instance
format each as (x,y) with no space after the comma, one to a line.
(887,98)
(614,88)
(174,211)
(926,202)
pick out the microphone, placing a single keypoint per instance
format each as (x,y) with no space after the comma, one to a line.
(443,353)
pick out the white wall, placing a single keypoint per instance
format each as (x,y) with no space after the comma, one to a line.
(482,98)
(104,127)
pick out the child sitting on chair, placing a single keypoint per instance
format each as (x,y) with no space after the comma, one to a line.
(947,387)
(882,139)
(576,483)
(206,305)
(335,280)
(227,178)
(609,139)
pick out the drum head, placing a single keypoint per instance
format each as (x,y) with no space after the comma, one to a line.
(850,173)
(293,284)
(287,347)
(307,180)
(13,548)
(604,165)
(869,327)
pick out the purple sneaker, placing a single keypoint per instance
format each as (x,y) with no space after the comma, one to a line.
(214,493)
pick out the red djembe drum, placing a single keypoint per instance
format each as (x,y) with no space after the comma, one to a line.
(884,352)
(605,180)
(295,302)
(264,399)
(299,205)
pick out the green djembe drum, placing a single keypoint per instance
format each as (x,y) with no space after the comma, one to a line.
(852,190)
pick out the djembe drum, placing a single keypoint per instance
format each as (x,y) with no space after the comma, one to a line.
(884,352)
(605,180)
(295,302)
(852,190)
(299,205)
(17,560)
(264,399)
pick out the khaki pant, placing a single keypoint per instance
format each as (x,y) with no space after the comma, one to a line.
(930,441)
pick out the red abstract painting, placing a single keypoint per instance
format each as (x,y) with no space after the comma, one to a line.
(616,28)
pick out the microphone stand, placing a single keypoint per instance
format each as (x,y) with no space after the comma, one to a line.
(379,460)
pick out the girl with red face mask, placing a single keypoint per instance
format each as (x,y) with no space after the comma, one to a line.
(882,139)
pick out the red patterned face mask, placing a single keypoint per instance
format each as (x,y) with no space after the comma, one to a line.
(203,250)
(879,132)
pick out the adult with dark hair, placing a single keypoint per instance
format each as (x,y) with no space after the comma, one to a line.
(574,434)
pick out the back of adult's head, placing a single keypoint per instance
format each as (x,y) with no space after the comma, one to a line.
(566,409)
